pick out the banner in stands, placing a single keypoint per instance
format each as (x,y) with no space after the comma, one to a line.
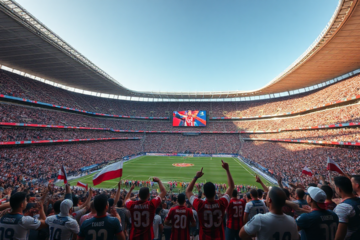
(189,118)
(202,155)
(66,140)
(305,141)
(161,154)
(224,155)
(88,167)
(180,132)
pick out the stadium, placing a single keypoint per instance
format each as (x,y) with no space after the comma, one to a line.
(61,111)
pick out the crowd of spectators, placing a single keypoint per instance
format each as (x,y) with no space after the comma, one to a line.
(288,160)
(18,86)
(26,134)
(325,209)
(26,114)
(43,162)
(204,143)
(335,134)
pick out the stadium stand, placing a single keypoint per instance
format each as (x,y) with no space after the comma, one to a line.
(15,85)
(18,86)
(44,129)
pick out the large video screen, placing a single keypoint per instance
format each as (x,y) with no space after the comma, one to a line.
(189,118)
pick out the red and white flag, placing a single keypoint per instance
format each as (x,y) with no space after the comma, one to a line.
(333,166)
(109,172)
(62,174)
(80,184)
(307,171)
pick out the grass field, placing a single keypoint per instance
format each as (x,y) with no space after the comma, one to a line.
(146,167)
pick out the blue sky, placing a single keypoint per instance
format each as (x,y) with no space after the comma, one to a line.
(187,45)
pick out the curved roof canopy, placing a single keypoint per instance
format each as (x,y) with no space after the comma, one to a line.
(29,46)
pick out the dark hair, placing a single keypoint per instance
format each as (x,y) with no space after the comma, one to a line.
(300,193)
(356,178)
(248,195)
(344,184)
(260,193)
(144,193)
(209,190)
(287,193)
(17,199)
(119,203)
(157,211)
(57,206)
(328,191)
(111,202)
(264,195)
(278,197)
(100,203)
(75,200)
(312,185)
(234,193)
(181,198)
(254,193)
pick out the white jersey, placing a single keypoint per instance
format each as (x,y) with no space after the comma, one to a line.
(17,226)
(156,223)
(255,207)
(62,228)
(270,226)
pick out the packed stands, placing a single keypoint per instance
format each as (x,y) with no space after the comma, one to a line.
(294,157)
(43,162)
(257,151)
(18,86)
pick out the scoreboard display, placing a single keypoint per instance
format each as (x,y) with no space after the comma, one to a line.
(189,118)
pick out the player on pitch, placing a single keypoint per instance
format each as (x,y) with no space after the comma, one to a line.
(211,212)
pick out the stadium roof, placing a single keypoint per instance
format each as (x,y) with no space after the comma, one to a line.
(29,46)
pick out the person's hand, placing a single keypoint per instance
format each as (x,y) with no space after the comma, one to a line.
(119,184)
(225,165)
(258,180)
(307,207)
(155,179)
(114,213)
(279,179)
(200,173)
(132,187)
(43,197)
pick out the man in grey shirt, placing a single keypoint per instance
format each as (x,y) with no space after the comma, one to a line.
(274,224)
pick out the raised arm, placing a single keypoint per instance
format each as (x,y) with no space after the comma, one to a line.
(231,184)
(279,180)
(129,193)
(117,196)
(68,194)
(86,204)
(161,186)
(189,189)
(258,180)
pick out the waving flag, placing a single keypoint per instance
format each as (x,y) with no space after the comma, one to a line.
(80,184)
(62,174)
(109,172)
(333,166)
(307,171)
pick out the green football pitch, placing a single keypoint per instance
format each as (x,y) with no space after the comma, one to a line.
(146,167)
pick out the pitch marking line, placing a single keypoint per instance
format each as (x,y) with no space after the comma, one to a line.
(243,167)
